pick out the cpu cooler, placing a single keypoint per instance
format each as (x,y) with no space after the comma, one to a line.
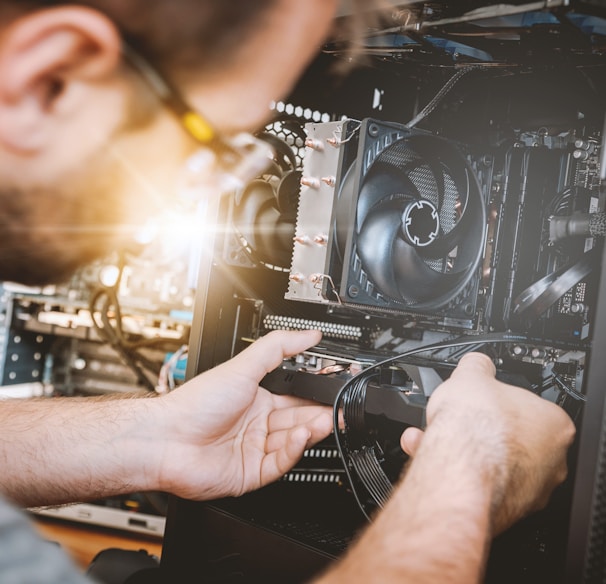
(409,220)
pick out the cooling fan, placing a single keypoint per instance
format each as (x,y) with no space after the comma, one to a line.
(409,221)
(264,212)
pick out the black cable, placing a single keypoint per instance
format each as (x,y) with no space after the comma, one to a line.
(115,336)
(115,342)
(573,393)
(544,293)
(433,104)
(363,377)
(368,468)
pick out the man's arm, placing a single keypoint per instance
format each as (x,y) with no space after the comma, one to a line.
(220,434)
(68,449)
(491,454)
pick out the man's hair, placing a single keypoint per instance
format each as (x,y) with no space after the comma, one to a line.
(203,35)
(176,34)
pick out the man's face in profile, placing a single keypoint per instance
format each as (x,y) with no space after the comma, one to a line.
(88,152)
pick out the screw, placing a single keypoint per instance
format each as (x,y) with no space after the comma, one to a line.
(310,182)
(314,144)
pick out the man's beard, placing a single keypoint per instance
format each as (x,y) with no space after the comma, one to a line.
(46,233)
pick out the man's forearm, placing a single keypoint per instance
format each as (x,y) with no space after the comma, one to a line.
(491,454)
(61,450)
(436,526)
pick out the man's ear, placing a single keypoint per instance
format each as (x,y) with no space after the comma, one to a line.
(42,55)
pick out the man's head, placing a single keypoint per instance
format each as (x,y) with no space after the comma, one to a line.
(86,148)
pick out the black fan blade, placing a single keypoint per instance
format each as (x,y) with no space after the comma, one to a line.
(375,247)
(436,158)
(417,282)
(469,225)
(456,180)
(288,194)
(284,154)
(257,195)
(251,199)
(273,236)
(393,265)
(383,180)
(428,180)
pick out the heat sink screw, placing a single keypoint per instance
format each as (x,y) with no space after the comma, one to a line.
(311,182)
(314,144)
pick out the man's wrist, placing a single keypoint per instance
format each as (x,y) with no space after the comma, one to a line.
(476,446)
(437,525)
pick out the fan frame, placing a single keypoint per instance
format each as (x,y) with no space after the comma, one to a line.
(373,138)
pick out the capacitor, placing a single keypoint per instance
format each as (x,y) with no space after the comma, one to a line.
(577,308)
(519,350)
(577,225)
(580,155)
(582,144)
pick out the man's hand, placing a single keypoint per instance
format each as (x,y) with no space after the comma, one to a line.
(520,438)
(490,454)
(221,434)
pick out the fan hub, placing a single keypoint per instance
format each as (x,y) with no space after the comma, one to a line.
(420,223)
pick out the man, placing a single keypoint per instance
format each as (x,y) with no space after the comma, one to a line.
(86,148)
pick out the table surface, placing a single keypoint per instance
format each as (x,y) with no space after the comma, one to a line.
(82,542)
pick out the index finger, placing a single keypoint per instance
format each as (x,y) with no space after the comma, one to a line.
(269,351)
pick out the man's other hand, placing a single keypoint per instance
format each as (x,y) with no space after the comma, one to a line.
(520,438)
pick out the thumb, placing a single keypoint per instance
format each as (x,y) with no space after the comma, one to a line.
(267,353)
(411,440)
(474,364)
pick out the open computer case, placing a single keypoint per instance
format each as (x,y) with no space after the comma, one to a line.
(446,194)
